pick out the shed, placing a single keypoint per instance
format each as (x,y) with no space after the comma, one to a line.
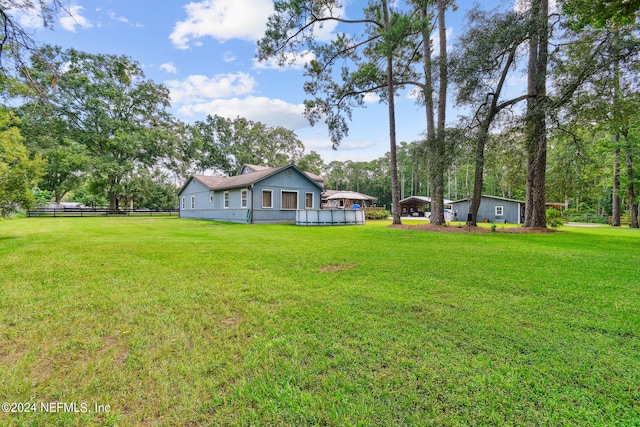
(493,209)
(257,195)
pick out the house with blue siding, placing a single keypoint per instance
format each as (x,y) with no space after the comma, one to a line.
(492,209)
(257,195)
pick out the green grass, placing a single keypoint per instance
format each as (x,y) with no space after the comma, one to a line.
(186,322)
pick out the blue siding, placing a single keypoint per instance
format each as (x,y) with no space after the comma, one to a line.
(278,183)
(512,210)
(282,181)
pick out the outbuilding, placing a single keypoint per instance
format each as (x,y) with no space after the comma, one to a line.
(492,209)
(420,206)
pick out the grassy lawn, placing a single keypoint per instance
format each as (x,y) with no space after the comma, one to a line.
(186,322)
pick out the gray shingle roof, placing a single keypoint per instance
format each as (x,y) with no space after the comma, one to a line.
(244,180)
(238,181)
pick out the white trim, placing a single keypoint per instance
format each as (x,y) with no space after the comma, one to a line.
(262,199)
(501,208)
(244,196)
(225,199)
(519,213)
(305,200)
(297,199)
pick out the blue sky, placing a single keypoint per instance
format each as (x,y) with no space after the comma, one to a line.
(204,52)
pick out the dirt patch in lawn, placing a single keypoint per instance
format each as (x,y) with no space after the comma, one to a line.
(337,267)
(472,229)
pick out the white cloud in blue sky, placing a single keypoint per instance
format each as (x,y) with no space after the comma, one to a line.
(169,67)
(222,20)
(198,88)
(75,19)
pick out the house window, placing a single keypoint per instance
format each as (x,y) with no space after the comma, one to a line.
(499,210)
(267,198)
(243,198)
(226,200)
(193,202)
(184,203)
(289,200)
(308,200)
(211,198)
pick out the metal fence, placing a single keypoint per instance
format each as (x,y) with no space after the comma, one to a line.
(90,212)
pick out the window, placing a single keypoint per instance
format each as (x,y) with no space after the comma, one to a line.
(226,200)
(243,198)
(184,203)
(499,210)
(267,198)
(211,198)
(193,202)
(289,200)
(308,200)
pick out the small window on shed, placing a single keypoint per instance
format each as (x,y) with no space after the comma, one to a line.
(211,198)
(243,198)
(184,203)
(193,202)
(499,210)
(226,199)
(308,200)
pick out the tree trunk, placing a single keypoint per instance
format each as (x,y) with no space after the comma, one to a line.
(439,154)
(395,207)
(535,211)
(615,202)
(631,194)
(478,180)
(483,135)
(113,193)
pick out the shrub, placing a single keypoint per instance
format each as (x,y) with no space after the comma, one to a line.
(554,218)
(383,214)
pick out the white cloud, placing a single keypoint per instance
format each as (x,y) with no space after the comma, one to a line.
(435,41)
(524,5)
(229,56)
(222,20)
(75,19)
(324,31)
(169,67)
(371,98)
(122,19)
(292,61)
(354,150)
(198,89)
(273,112)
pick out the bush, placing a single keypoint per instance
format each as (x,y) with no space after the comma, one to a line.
(590,218)
(554,218)
(383,214)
